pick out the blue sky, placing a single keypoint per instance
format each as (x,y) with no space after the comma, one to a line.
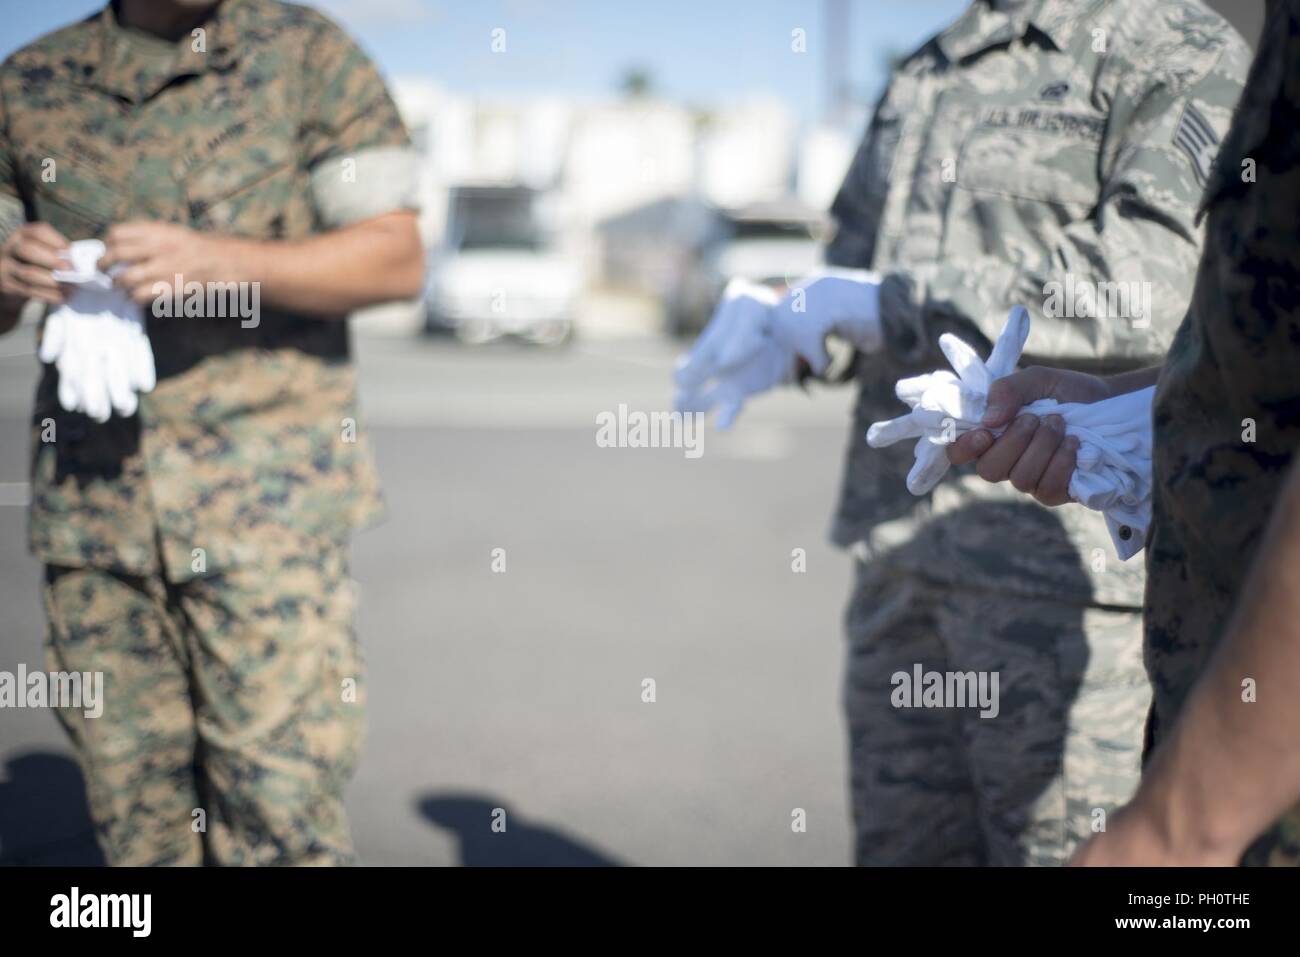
(700,51)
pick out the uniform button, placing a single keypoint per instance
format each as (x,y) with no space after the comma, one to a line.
(1125,532)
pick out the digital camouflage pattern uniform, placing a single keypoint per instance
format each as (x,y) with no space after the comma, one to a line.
(196,552)
(1236,357)
(1029,143)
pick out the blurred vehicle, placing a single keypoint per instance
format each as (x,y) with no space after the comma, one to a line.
(770,243)
(501,269)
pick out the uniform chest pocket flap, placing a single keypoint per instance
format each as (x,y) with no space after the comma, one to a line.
(71,195)
(1047,166)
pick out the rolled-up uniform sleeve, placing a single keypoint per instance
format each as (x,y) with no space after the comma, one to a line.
(12,211)
(354,144)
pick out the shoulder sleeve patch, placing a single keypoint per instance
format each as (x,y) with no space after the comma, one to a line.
(1196,138)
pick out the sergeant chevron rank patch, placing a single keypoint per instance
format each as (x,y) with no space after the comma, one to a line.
(1196,137)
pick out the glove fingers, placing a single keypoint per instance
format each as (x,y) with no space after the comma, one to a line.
(69,382)
(886,433)
(932,420)
(95,389)
(967,363)
(704,361)
(1011,343)
(143,374)
(53,340)
(736,332)
(913,389)
(93,334)
(738,349)
(816,355)
(117,378)
(729,411)
(738,288)
(54,337)
(690,400)
(691,370)
(700,362)
(728,399)
(931,465)
(958,402)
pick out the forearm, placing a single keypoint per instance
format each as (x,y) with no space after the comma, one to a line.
(1124,382)
(333,273)
(1231,766)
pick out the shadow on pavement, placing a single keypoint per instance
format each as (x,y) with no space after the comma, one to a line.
(43,815)
(521,844)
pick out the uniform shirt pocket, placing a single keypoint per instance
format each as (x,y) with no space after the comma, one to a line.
(68,195)
(1024,176)
(1048,156)
(251,186)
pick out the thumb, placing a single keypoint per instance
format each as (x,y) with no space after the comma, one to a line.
(728,410)
(1008,394)
(817,357)
(729,401)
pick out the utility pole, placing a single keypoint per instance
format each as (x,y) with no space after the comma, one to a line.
(835,27)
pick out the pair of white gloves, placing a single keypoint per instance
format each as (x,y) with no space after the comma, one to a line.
(97,340)
(756,337)
(1112,474)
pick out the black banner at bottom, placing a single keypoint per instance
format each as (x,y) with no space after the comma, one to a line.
(366,904)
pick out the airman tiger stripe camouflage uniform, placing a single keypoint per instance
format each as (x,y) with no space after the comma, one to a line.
(196,552)
(1030,143)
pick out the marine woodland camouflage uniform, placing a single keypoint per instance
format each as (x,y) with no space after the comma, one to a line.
(196,551)
(1227,410)
(1047,142)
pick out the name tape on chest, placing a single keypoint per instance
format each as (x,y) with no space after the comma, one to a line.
(1038,120)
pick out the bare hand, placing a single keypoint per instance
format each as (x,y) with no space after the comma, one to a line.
(1134,838)
(28,259)
(159,252)
(1035,455)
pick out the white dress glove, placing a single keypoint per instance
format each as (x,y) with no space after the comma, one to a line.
(842,302)
(1113,471)
(97,340)
(735,357)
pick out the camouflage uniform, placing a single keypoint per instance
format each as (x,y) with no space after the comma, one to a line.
(197,551)
(1234,359)
(1022,146)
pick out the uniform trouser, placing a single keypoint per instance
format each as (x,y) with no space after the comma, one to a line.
(232,708)
(943,785)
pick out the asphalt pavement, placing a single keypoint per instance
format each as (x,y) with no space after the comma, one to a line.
(524,689)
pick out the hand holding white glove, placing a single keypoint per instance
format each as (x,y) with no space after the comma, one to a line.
(97,340)
(735,356)
(842,302)
(944,404)
(1111,472)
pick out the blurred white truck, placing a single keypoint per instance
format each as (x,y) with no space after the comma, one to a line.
(501,269)
(773,243)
